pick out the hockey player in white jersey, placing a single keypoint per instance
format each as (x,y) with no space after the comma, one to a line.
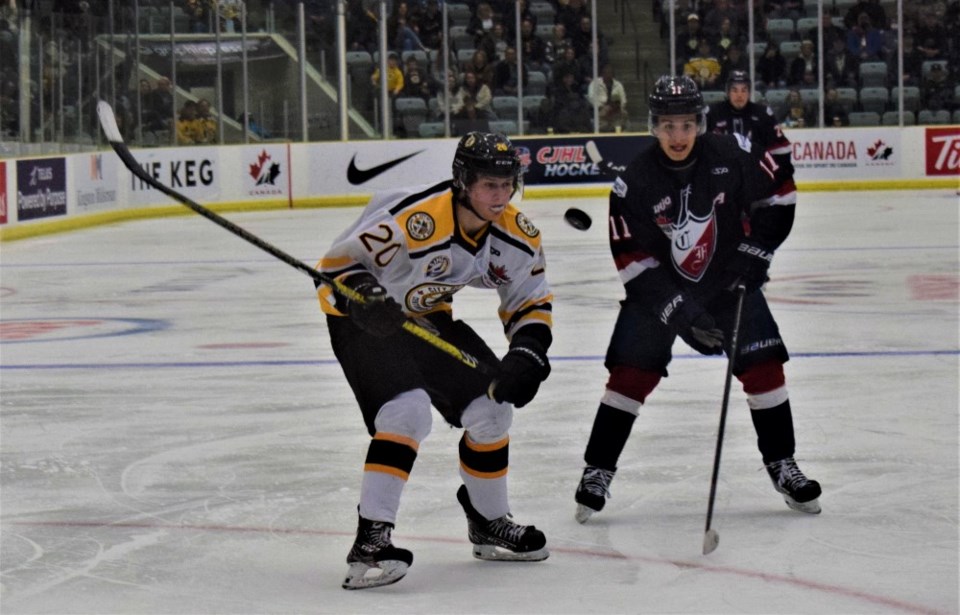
(409,252)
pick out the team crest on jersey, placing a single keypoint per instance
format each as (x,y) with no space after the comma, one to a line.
(426,297)
(694,240)
(496,276)
(526,226)
(437,266)
(421,225)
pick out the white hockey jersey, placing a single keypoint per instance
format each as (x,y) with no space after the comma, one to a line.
(410,240)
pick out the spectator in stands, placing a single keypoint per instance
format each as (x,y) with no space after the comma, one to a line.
(569,14)
(783,9)
(394,76)
(558,42)
(206,125)
(831,31)
(230,15)
(469,118)
(534,49)
(418,84)
(362,32)
(797,116)
(568,111)
(839,66)
(505,11)
(871,8)
(402,29)
(726,38)
(158,106)
(253,126)
(494,43)
(771,68)
(610,98)
(704,67)
(582,38)
(431,25)
(865,42)
(442,96)
(834,112)
(568,63)
(482,20)
(189,131)
(477,91)
(688,41)
(931,34)
(506,76)
(805,60)
(724,10)
(481,66)
(734,60)
(912,63)
(937,88)
(198,14)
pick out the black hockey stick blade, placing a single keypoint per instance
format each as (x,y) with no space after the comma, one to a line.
(109,124)
(710,537)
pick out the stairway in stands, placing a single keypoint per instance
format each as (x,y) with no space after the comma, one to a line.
(635,38)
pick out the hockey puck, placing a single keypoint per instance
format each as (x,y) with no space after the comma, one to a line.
(577,218)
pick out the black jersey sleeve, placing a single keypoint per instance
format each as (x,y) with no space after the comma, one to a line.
(770,193)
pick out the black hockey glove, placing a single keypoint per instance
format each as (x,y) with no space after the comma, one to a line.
(522,370)
(693,324)
(378,315)
(748,267)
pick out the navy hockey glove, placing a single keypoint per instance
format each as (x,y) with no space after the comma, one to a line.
(748,267)
(379,315)
(522,370)
(693,324)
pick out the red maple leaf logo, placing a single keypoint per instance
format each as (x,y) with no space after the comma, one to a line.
(256,169)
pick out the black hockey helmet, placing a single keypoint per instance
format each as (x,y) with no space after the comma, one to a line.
(739,76)
(677,96)
(485,153)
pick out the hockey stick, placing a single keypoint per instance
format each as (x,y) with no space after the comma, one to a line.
(607,168)
(109,124)
(710,537)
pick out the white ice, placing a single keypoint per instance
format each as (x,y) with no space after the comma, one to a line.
(211,462)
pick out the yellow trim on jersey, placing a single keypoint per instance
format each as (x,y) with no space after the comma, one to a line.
(328,263)
(508,222)
(439,208)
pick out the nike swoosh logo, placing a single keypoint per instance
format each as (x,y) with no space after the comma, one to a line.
(359,176)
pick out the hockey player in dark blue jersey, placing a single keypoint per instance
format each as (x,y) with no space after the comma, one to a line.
(739,115)
(681,245)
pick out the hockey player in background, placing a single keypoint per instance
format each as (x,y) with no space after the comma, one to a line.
(407,254)
(739,115)
(681,248)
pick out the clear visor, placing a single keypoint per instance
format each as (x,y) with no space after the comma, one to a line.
(678,125)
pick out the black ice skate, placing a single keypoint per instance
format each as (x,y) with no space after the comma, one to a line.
(502,539)
(799,492)
(374,561)
(593,491)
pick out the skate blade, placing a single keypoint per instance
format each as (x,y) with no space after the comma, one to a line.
(812,507)
(364,576)
(492,553)
(583,513)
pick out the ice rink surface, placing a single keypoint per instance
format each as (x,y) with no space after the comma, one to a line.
(178,438)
